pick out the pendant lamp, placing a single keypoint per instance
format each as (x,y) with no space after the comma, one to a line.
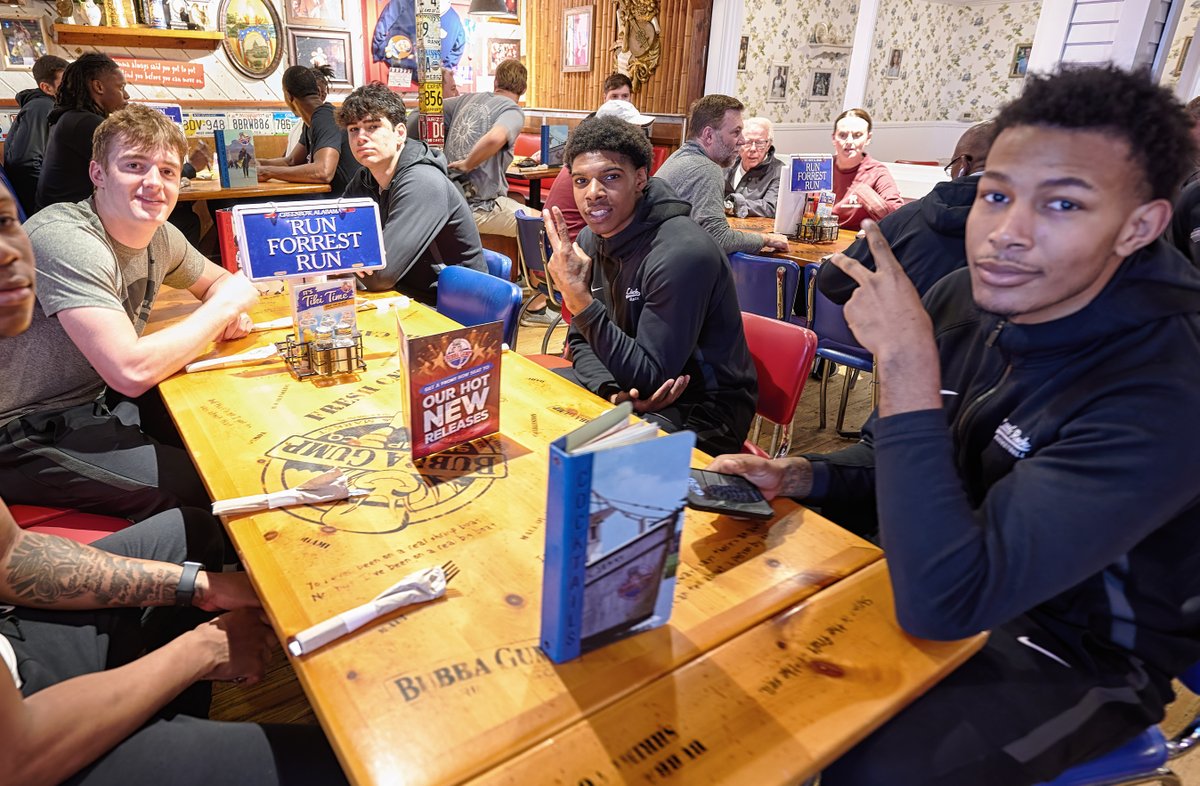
(490,8)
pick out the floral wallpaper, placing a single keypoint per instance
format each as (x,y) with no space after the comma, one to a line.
(801,37)
(1188,18)
(960,76)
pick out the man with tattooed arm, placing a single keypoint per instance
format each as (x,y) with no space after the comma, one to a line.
(102,681)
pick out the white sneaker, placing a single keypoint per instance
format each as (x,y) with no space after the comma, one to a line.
(540,318)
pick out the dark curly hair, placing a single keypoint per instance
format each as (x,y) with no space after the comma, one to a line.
(612,135)
(303,81)
(370,102)
(1112,100)
(75,92)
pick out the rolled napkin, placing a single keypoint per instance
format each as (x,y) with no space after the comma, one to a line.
(419,587)
(247,358)
(326,487)
(383,304)
(273,324)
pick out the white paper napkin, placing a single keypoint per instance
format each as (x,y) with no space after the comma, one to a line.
(273,324)
(248,358)
(330,486)
(419,587)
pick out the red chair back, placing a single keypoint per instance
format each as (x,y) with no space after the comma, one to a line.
(783,357)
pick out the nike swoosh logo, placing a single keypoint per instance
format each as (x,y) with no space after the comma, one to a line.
(1025,640)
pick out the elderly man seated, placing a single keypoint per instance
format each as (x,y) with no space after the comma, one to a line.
(752,182)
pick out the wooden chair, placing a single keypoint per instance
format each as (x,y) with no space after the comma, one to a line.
(783,356)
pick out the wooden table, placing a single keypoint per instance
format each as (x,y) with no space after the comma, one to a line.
(455,688)
(803,253)
(211,189)
(535,178)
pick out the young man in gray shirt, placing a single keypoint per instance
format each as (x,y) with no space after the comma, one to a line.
(694,172)
(480,131)
(66,438)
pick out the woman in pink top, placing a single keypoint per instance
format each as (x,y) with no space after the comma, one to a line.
(862,186)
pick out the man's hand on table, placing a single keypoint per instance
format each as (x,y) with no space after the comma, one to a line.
(886,316)
(224,592)
(570,268)
(238,644)
(774,242)
(237,296)
(785,477)
(459,165)
(665,396)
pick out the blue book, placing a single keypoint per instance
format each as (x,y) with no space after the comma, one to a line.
(236,164)
(554,140)
(614,516)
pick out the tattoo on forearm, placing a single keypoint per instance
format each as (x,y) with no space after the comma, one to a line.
(797,479)
(43,570)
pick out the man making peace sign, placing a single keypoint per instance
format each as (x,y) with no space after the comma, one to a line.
(652,294)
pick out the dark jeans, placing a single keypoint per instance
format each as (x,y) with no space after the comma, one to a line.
(1009,716)
(178,745)
(117,457)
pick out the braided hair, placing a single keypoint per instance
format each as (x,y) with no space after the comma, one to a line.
(75,92)
(303,81)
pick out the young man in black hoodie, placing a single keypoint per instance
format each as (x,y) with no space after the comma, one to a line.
(1033,459)
(427,223)
(27,138)
(659,302)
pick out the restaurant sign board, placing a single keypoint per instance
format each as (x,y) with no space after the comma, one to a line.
(319,237)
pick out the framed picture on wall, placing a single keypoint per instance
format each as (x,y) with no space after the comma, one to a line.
(253,36)
(821,86)
(23,41)
(778,90)
(1020,61)
(324,47)
(743,48)
(1183,53)
(501,49)
(577,38)
(895,60)
(315,13)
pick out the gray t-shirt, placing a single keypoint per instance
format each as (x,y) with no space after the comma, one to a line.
(79,265)
(468,118)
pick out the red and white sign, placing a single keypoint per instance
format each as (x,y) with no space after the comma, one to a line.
(162,73)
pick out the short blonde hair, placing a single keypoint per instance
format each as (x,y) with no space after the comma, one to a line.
(140,128)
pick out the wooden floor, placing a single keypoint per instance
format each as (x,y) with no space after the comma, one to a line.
(279,698)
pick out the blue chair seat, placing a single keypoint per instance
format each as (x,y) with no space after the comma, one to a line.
(472,297)
(1141,757)
(765,286)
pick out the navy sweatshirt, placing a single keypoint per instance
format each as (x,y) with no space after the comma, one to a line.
(1059,481)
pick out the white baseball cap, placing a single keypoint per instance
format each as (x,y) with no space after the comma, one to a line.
(625,111)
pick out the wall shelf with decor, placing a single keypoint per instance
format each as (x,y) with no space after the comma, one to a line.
(146,37)
(829,50)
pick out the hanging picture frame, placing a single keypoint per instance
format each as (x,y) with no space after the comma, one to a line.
(22,41)
(511,7)
(315,13)
(777,89)
(253,36)
(324,47)
(577,38)
(1020,61)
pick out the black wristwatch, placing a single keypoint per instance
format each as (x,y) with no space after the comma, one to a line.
(187,583)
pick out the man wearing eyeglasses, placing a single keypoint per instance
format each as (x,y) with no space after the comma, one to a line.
(752,183)
(926,235)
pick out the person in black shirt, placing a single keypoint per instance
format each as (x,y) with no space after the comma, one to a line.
(92,88)
(323,154)
(27,138)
